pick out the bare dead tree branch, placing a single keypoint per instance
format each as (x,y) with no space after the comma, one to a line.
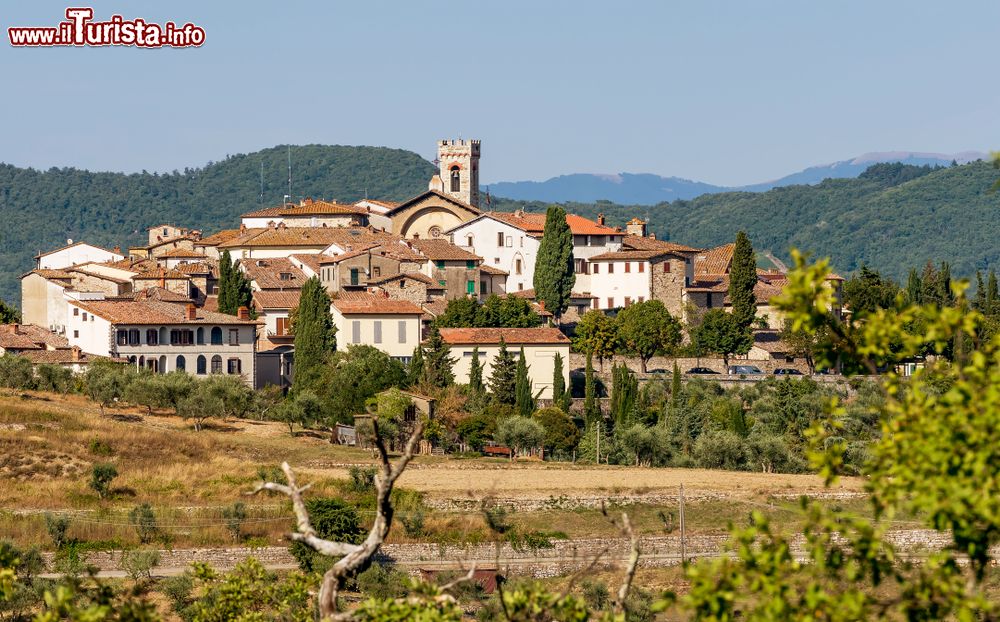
(469,576)
(354,558)
(625,527)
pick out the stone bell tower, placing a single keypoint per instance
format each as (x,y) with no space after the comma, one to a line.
(458,170)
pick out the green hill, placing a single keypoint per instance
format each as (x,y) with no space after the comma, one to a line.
(42,209)
(893,217)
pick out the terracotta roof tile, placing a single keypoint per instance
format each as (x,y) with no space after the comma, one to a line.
(512,336)
(60,356)
(309,261)
(488,269)
(414,276)
(160,273)
(12,339)
(157,293)
(716,260)
(630,255)
(650,244)
(197,267)
(218,238)
(534,223)
(40,336)
(267,273)
(50,274)
(441,195)
(153,312)
(182,253)
(274,299)
(375,305)
(443,250)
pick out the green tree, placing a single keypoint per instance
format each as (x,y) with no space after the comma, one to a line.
(16,372)
(459,313)
(596,334)
(675,392)
(202,404)
(646,329)
(415,370)
(105,382)
(520,434)
(524,400)
(591,409)
(332,519)
(438,363)
(719,333)
(742,279)
(234,287)
(867,291)
(351,378)
(561,397)
(561,434)
(554,274)
(624,393)
(101,475)
(9,314)
(503,376)
(475,374)
(315,334)
(143,519)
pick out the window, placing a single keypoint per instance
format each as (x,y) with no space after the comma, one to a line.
(596,303)
(122,338)
(440,264)
(520,287)
(356,331)
(470,264)
(468,240)
(234,366)
(133,337)
(596,267)
(354,276)
(181,337)
(628,267)
(666,266)
(611,302)
(84,316)
(181,363)
(234,336)
(216,364)
(456,179)
(709,297)
(500,238)
(285,276)
(377,271)
(402,283)
(201,336)
(378,331)
(76,334)
(216,337)
(510,241)
(76,311)
(496,260)
(201,365)
(483,289)
(611,268)
(470,287)
(402,331)
(517,266)
(165,233)
(628,300)
(642,267)
(281,325)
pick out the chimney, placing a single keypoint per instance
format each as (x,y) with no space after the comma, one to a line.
(541,305)
(652,236)
(190,312)
(243,313)
(636,227)
(600,219)
(243,227)
(75,353)
(117,250)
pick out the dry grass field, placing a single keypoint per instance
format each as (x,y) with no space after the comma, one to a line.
(48,444)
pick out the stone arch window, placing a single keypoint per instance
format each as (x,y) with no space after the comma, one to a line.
(202,365)
(216,364)
(180,364)
(162,367)
(456,179)
(216,336)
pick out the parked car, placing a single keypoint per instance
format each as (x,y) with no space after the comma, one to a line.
(787,371)
(701,370)
(745,370)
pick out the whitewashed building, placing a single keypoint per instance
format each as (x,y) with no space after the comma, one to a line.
(392,326)
(74,254)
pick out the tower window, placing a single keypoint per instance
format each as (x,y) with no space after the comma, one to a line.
(456,179)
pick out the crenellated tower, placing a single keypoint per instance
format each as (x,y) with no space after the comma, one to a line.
(458,170)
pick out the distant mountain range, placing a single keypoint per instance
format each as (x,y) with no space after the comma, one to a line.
(650,189)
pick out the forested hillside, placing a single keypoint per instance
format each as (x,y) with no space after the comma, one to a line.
(893,217)
(42,209)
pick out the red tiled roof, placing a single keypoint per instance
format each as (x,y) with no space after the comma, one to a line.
(371,304)
(651,244)
(440,195)
(196,267)
(534,223)
(385,204)
(310,261)
(60,356)
(160,273)
(414,276)
(218,238)
(716,260)
(40,336)
(157,293)
(266,273)
(50,274)
(153,312)
(319,208)
(511,336)
(488,269)
(11,340)
(274,299)
(630,255)
(443,250)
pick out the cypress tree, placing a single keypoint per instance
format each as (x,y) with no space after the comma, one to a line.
(226,296)
(675,391)
(503,375)
(475,373)
(438,364)
(415,370)
(554,275)
(742,279)
(914,287)
(992,294)
(624,392)
(561,398)
(315,334)
(591,410)
(523,399)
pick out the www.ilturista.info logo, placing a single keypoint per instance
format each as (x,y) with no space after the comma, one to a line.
(80,30)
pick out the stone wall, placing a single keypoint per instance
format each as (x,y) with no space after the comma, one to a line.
(668,287)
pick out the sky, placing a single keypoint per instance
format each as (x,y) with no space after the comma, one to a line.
(729,93)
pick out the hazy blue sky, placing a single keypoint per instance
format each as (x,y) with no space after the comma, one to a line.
(723,92)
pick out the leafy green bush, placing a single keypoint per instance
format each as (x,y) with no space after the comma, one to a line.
(719,449)
(101,476)
(144,521)
(332,519)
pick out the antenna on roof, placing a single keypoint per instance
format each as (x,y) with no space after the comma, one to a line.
(289,172)
(261,199)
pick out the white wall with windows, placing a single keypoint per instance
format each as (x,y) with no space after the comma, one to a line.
(396,334)
(503,246)
(617,283)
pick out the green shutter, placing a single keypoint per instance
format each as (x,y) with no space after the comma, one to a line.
(470,287)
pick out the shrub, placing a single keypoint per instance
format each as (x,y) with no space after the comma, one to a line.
(16,372)
(382,582)
(99,448)
(235,515)
(719,449)
(361,479)
(57,526)
(520,434)
(101,476)
(144,521)
(178,591)
(770,453)
(332,519)
(139,564)
(54,378)
(561,434)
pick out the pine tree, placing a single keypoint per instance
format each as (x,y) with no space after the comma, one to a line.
(561,398)
(554,274)
(438,363)
(524,401)
(503,375)
(475,373)
(742,279)
(415,370)
(591,410)
(315,334)
(8,314)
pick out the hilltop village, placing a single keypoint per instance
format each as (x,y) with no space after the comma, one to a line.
(390,270)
